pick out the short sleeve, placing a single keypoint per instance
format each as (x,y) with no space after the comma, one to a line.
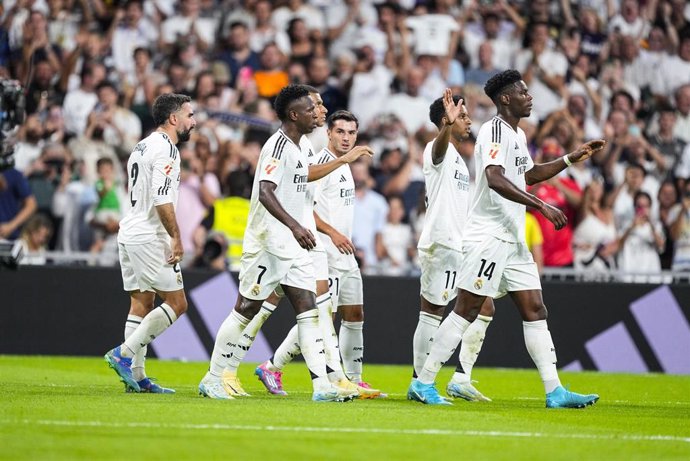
(162,178)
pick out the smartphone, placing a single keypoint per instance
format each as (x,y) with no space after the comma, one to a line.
(634,130)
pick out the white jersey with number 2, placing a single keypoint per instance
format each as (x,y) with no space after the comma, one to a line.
(154,178)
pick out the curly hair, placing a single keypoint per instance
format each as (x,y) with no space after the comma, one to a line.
(437,111)
(499,82)
(286,97)
(167,104)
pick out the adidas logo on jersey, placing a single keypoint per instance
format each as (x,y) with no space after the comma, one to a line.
(516,145)
(343,179)
(299,164)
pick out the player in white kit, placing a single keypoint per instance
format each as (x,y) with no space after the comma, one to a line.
(447,182)
(334,215)
(268,375)
(275,249)
(149,242)
(496,260)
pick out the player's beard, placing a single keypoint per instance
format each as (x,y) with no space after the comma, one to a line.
(183,136)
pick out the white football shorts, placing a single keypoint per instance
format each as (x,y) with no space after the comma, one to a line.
(320,261)
(346,287)
(263,272)
(494,268)
(440,273)
(145,268)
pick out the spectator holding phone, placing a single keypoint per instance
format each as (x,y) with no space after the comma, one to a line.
(679,221)
(641,244)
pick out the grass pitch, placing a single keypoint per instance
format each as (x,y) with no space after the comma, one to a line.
(75,408)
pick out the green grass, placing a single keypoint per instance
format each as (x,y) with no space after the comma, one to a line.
(74,408)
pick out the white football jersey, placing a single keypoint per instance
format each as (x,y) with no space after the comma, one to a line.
(447,199)
(335,205)
(283,163)
(312,192)
(490,214)
(154,178)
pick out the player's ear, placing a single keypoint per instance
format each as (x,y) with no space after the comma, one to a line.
(505,99)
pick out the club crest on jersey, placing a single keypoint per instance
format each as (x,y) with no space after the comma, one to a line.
(478,284)
(256,289)
(493,150)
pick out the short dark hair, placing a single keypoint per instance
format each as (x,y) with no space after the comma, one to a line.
(641,193)
(104,161)
(636,166)
(167,104)
(311,89)
(437,111)
(342,115)
(496,84)
(286,97)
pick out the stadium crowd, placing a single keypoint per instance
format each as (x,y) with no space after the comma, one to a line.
(613,69)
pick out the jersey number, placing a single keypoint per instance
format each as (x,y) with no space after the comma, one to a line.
(334,281)
(261,274)
(448,285)
(489,272)
(134,174)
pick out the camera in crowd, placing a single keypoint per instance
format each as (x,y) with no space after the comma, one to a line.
(12,104)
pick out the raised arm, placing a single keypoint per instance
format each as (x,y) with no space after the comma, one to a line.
(543,171)
(438,150)
(317,172)
(269,200)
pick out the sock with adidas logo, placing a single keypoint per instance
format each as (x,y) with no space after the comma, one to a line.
(249,335)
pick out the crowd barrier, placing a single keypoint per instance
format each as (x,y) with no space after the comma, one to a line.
(596,326)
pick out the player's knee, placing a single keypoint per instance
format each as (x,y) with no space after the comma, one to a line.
(537,312)
(178,304)
(353,314)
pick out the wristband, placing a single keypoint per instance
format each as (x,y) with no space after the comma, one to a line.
(567,160)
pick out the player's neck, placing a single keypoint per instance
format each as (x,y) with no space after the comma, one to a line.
(169,132)
(510,119)
(292,132)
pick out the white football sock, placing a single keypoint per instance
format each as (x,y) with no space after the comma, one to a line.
(426,327)
(472,342)
(226,339)
(352,349)
(155,323)
(132,323)
(444,342)
(248,335)
(311,343)
(541,349)
(330,338)
(288,350)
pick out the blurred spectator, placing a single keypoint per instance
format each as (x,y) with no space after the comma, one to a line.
(107,212)
(271,76)
(318,73)
(371,210)
(80,102)
(669,145)
(505,45)
(228,215)
(673,71)
(348,21)
(563,193)
(621,199)
(481,73)
(543,69)
(17,203)
(396,248)
(63,24)
(198,191)
(29,144)
(37,46)
(640,244)
(595,241)
(679,221)
(34,239)
(303,46)
(130,30)
(264,31)
(667,198)
(121,127)
(190,25)
(409,106)
(237,54)
(42,91)
(630,20)
(312,17)
(369,88)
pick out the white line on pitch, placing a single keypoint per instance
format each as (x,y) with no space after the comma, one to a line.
(365,430)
